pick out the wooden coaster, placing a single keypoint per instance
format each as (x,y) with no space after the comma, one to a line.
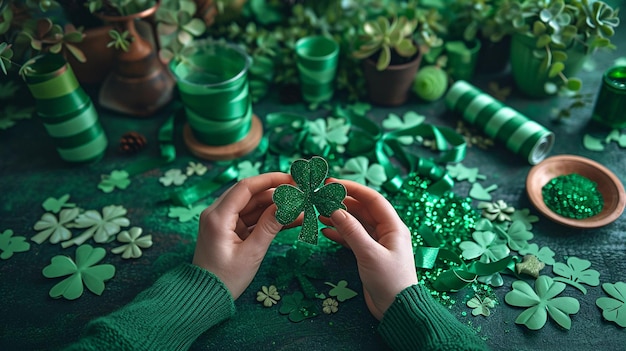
(225,152)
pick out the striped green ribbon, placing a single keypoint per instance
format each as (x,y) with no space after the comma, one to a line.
(66,111)
(316,58)
(520,135)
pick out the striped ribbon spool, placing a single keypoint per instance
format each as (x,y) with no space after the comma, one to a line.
(66,111)
(521,135)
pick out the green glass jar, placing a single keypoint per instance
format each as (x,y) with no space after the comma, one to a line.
(611,101)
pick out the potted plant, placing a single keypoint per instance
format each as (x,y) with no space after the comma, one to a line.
(390,57)
(552,38)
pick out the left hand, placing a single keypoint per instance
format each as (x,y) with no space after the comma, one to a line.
(237,229)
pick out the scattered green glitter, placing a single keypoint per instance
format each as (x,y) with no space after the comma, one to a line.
(450,218)
(573,196)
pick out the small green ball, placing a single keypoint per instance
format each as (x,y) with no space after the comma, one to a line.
(430,83)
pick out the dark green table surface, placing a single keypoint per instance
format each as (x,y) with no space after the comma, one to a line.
(31,171)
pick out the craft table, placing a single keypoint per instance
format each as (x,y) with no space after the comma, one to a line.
(31,171)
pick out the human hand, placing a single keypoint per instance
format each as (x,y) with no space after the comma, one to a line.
(237,229)
(380,241)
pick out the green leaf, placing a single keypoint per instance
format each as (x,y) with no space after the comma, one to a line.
(543,41)
(341,291)
(555,69)
(384,59)
(574,84)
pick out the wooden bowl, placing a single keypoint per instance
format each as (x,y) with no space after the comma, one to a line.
(609,186)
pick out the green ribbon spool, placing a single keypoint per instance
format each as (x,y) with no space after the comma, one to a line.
(213,85)
(520,135)
(67,112)
(316,59)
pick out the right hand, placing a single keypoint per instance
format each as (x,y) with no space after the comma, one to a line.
(380,241)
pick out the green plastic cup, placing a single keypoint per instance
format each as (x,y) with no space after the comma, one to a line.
(316,59)
(66,111)
(611,102)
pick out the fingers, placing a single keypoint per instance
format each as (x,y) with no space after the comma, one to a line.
(354,235)
(265,230)
(379,208)
(238,196)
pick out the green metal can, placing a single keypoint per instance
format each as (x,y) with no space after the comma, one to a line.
(610,108)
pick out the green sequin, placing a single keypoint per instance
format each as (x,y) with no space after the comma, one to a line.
(573,196)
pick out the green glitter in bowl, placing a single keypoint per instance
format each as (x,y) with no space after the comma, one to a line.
(573,196)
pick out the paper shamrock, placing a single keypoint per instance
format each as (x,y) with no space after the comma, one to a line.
(133,242)
(10,244)
(99,226)
(54,205)
(308,196)
(49,226)
(614,307)
(481,306)
(576,272)
(173,176)
(341,291)
(297,307)
(83,270)
(186,214)
(460,172)
(478,192)
(361,171)
(330,305)
(542,302)
(268,296)
(117,179)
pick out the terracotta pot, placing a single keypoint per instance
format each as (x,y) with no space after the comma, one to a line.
(139,83)
(99,56)
(390,87)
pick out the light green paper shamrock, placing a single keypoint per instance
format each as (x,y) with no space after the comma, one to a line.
(55,229)
(83,270)
(485,246)
(545,254)
(591,143)
(542,302)
(99,226)
(576,272)
(173,176)
(133,243)
(196,168)
(297,307)
(481,306)
(308,196)
(614,307)
(517,236)
(496,211)
(185,214)
(327,132)
(341,291)
(55,205)
(524,217)
(117,179)
(409,119)
(10,244)
(248,169)
(460,173)
(359,170)
(478,192)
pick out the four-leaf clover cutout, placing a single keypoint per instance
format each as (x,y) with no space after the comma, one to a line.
(49,226)
(99,226)
(308,196)
(82,271)
(542,302)
(269,296)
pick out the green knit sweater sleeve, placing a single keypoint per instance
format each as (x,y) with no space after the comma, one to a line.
(415,321)
(170,315)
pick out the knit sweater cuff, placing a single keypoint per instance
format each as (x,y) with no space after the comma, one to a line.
(170,315)
(415,321)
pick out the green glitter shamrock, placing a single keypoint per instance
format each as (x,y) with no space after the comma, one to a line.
(55,229)
(82,271)
(268,296)
(576,272)
(481,306)
(341,291)
(358,169)
(614,307)
(117,179)
(173,176)
(542,302)
(55,205)
(10,244)
(496,211)
(99,226)
(308,196)
(297,307)
(330,305)
(185,214)
(133,243)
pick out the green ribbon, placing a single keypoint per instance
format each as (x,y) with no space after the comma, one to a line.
(214,181)
(57,86)
(219,105)
(220,132)
(458,277)
(56,109)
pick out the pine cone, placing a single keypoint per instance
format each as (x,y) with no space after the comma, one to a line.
(132,142)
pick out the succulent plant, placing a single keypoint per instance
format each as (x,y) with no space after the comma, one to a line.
(381,37)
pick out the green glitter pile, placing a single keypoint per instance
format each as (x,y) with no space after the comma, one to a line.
(573,196)
(450,218)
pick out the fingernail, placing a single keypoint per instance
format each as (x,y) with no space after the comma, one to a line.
(338,215)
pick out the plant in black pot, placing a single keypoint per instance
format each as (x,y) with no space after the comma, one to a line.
(552,40)
(391,58)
